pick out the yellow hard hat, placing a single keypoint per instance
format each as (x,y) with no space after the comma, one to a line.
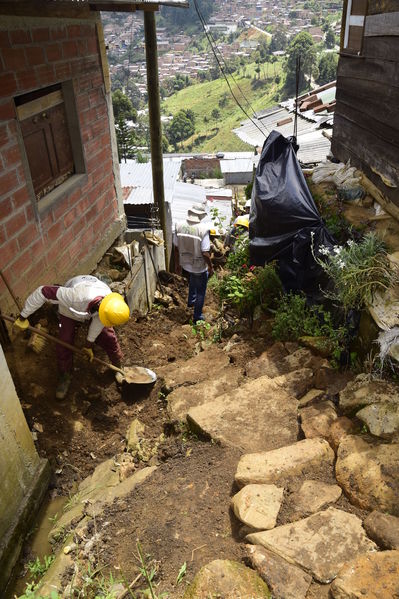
(113,310)
(242,221)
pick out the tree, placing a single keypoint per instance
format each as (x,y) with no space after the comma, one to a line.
(181,128)
(303,46)
(125,140)
(279,39)
(330,39)
(123,107)
(327,68)
(215,114)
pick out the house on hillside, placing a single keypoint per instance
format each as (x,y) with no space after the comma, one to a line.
(366,126)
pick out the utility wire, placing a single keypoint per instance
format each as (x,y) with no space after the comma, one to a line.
(222,70)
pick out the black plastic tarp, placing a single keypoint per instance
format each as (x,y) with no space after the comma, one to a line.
(284,216)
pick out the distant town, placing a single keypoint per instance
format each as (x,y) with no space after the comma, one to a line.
(230,18)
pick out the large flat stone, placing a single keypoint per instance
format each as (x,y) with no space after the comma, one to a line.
(199,368)
(296,382)
(311,397)
(340,428)
(369,473)
(362,392)
(382,419)
(182,399)
(370,576)
(320,544)
(285,580)
(227,579)
(383,529)
(269,362)
(258,415)
(258,505)
(316,420)
(303,457)
(314,495)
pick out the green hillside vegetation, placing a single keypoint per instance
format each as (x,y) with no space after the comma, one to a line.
(216,112)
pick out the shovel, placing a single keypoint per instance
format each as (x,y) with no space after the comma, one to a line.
(132,375)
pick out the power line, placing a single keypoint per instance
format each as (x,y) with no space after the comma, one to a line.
(222,70)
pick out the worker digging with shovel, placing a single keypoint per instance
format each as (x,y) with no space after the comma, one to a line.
(82,298)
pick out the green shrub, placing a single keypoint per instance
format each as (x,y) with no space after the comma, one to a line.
(358,271)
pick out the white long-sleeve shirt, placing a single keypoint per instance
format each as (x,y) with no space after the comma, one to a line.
(73,299)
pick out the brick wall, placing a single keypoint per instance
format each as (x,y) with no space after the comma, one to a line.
(44,247)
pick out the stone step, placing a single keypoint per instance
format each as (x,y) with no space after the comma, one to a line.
(320,544)
(302,458)
(259,415)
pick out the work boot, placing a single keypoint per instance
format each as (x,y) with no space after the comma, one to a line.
(63,385)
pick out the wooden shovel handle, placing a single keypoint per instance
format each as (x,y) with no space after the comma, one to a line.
(65,344)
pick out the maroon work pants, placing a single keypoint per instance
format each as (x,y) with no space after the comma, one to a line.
(106,339)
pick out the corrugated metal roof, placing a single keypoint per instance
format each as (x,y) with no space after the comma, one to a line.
(139,177)
(239,165)
(125,3)
(312,148)
(186,194)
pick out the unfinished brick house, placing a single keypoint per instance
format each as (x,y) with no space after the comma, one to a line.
(60,203)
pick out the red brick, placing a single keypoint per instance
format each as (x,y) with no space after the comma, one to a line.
(70,49)
(63,71)
(82,47)
(7,111)
(29,212)
(45,74)
(27,80)
(92,47)
(20,198)
(8,182)
(22,261)
(35,55)
(20,36)
(9,251)
(27,236)
(12,156)
(58,33)
(54,234)
(14,58)
(8,84)
(3,135)
(60,210)
(74,31)
(4,39)
(5,208)
(2,236)
(53,52)
(41,35)
(15,223)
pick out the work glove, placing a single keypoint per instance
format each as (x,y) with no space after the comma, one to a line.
(21,323)
(89,353)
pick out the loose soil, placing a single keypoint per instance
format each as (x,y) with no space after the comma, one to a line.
(181,513)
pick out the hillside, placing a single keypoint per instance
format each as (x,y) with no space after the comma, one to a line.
(213,132)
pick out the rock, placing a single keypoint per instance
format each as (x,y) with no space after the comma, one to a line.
(370,576)
(311,397)
(317,420)
(284,580)
(381,419)
(296,382)
(314,495)
(232,342)
(116,275)
(369,473)
(321,346)
(126,470)
(303,457)
(320,544)
(227,579)
(339,428)
(258,505)
(182,399)
(194,370)
(269,362)
(330,379)
(362,392)
(301,358)
(258,415)
(134,434)
(291,346)
(383,529)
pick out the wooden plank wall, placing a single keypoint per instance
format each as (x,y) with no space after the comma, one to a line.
(366,124)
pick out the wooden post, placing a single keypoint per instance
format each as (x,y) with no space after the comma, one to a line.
(155,122)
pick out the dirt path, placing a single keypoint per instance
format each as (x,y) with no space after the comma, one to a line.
(182,513)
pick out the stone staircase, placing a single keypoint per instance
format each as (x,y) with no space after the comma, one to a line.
(281,410)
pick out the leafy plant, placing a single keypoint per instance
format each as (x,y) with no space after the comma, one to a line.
(37,569)
(200,329)
(218,219)
(358,271)
(182,573)
(294,319)
(239,258)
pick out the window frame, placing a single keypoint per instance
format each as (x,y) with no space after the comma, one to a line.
(351,20)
